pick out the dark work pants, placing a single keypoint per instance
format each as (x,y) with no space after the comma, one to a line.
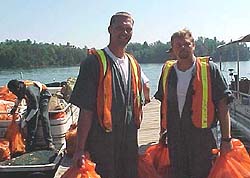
(43,115)
(189,147)
(115,154)
(190,154)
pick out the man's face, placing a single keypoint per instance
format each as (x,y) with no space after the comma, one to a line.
(183,47)
(15,90)
(121,31)
(19,91)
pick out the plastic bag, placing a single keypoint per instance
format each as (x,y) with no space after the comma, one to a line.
(146,168)
(70,137)
(4,149)
(3,112)
(160,156)
(234,164)
(14,136)
(5,94)
(155,162)
(87,172)
(5,108)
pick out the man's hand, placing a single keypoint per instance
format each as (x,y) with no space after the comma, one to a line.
(147,100)
(225,147)
(78,160)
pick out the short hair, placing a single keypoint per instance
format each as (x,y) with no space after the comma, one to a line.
(119,14)
(182,34)
(13,85)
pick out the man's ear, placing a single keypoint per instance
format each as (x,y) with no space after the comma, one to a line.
(109,29)
(193,45)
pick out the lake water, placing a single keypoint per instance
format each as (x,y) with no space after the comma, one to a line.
(47,75)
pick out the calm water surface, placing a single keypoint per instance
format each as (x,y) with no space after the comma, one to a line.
(47,75)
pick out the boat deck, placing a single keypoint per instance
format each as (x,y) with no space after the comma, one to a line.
(240,119)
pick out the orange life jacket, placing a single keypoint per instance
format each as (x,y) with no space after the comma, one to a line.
(104,91)
(36,83)
(202,104)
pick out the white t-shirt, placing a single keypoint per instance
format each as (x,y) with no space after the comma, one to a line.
(122,64)
(183,80)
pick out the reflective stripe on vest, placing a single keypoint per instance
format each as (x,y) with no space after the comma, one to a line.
(136,88)
(165,72)
(202,97)
(104,91)
(38,84)
(203,117)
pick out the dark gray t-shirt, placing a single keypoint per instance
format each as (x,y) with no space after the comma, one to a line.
(112,151)
(85,89)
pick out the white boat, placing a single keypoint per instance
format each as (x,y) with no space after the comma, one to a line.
(240,86)
(59,127)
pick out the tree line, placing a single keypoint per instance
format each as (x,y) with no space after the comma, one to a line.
(156,52)
(28,54)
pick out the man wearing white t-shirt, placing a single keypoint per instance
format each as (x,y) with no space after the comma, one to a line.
(122,64)
(108,92)
(194,96)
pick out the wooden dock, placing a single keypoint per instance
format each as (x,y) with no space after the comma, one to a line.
(148,133)
(150,127)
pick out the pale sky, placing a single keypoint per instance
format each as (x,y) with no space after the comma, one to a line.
(83,22)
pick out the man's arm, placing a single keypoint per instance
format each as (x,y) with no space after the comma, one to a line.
(17,102)
(145,87)
(146,92)
(84,125)
(224,118)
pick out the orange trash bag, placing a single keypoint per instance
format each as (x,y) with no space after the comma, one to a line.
(160,156)
(70,137)
(3,112)
(234,164)
(4,149)
(15,137)
(5,107)
(154,163)
(5,94)
(146,168)
(87,172)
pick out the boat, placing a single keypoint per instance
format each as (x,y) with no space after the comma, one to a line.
(34,167)
(61,118)
(240,107)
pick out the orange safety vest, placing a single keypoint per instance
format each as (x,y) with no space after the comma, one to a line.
(104,91)
(36,83)
(201,117)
